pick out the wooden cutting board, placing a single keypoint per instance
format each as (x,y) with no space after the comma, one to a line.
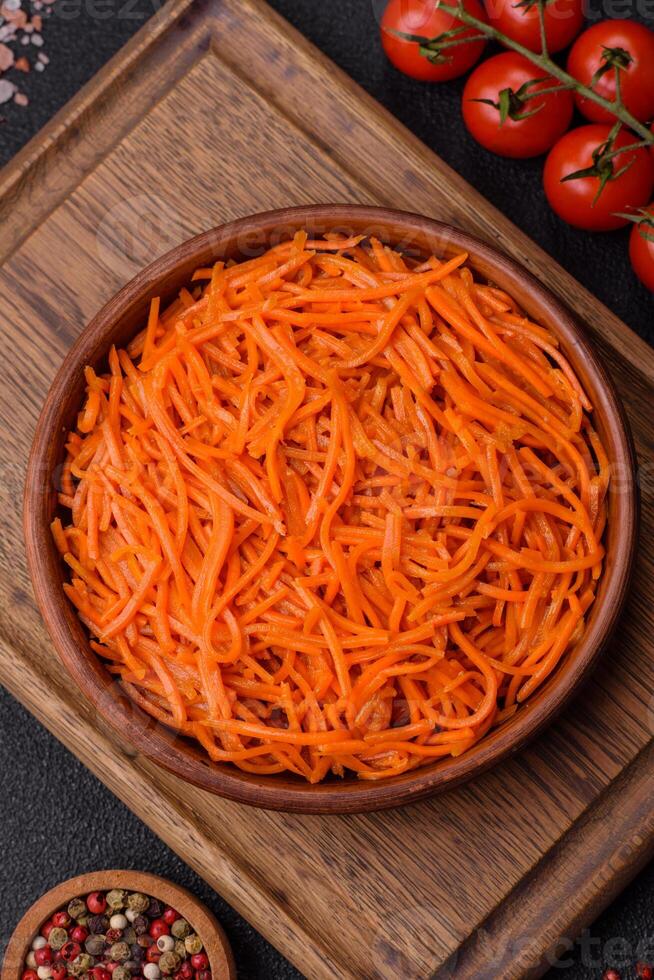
(215,110)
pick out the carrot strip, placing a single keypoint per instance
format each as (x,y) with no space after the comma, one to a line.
(334,510)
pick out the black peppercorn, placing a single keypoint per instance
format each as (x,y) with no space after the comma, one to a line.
(137,952)
(98,923)
(94,944)
(140,925)
(155,909)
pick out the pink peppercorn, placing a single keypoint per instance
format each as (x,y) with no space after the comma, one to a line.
(96,903)
(43,956)
(158,928)
(70,951)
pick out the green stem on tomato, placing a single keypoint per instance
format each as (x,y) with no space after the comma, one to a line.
(545,62)
(553,90)
(543,32)
(626,149)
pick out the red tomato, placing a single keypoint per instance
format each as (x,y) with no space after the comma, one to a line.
(575,200)
(424,19)
(563,21)
(514,137)
(641,249)
(637,79)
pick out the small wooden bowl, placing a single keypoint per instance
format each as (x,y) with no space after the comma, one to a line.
(205,924)
(119,321)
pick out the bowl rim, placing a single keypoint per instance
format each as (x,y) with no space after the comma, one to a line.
(351,795)
(192,908)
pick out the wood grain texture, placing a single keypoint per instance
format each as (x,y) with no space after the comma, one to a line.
(511,855)
(202,921)
(119,321)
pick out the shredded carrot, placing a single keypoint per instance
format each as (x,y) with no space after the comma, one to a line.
(334,510)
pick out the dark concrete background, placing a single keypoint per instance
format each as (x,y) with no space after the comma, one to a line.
(57,819)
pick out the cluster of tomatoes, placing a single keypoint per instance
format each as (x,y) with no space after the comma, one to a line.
(511,108)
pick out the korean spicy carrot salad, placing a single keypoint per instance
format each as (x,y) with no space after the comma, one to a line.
(334,510)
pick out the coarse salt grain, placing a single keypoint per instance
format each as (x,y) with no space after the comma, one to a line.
(7,90)
(6,57)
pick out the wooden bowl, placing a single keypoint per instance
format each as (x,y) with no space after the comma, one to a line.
(200,918)
(117,323)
